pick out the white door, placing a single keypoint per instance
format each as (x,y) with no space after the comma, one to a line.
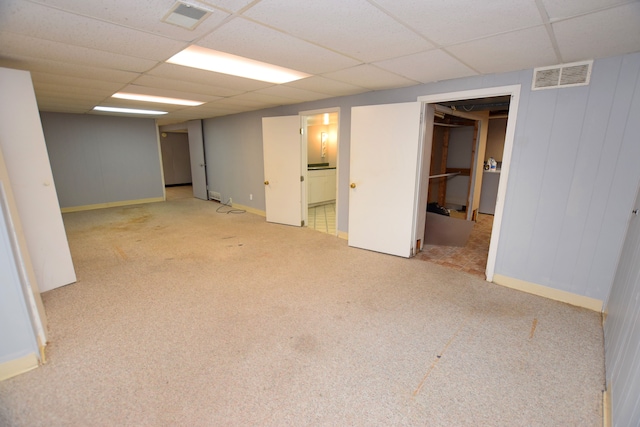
(198,163)
(282,169)
(385,143)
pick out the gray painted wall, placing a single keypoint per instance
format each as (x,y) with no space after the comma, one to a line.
(572,171)
(102,159)
(621,331)
(17,337)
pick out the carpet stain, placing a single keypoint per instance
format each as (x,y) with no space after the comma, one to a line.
(121,253)
(533,327)
(305,343)
(438,357)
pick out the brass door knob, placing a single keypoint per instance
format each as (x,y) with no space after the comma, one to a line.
(353,185)
(266,183)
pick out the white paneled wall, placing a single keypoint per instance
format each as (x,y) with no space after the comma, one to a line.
(621,332)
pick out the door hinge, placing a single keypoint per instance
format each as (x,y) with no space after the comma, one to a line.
(301,178)
(301,131)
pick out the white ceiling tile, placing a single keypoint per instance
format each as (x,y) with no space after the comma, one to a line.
(241,102)
(255,41)
(455,21)
(195,75)
(560,9)
(23,45)
(66,69)
(506,52)
(185,86)
(355,28)
(229,5)
(140,14)
(611,32)
(52,24)
(327,86)
(68,81)
(370,77)
(262,99)
(60,96)
(288,92)
(427,67)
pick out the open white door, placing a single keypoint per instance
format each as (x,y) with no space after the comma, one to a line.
(198,163)
(385,143)
(282,170)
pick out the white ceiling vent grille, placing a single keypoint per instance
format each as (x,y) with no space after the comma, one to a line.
(566,75)
(186,15)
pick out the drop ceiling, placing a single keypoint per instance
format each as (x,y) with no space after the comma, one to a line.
(80,52)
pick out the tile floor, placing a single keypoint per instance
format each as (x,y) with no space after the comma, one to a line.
(472,258)
(322,218)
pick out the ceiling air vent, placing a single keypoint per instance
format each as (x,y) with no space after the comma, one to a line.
(565,75)
(186,15)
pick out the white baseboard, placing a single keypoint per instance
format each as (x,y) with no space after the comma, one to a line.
(547,292)
(606,407)
(111,204)
(18,366)
(249,209)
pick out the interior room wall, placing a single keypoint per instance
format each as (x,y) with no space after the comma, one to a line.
(621,337)
(16,332)
(573,158)
(495,139)
(176,163)
(100,160)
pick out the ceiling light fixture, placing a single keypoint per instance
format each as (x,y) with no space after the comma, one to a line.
(129,110)
(158,99)
(221,62)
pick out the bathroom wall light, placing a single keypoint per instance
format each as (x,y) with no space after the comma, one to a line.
(324,137)
(158,99)
(221,62)
(129,110)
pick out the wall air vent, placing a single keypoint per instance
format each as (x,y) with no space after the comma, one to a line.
(186,15)
(565,75)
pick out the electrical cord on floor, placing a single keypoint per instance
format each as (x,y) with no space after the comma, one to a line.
(231,211)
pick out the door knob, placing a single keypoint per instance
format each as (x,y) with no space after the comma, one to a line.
(266,183)
(353,185)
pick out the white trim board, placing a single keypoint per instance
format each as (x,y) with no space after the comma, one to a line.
(111,204)
(514,92)
(18,366)
(547,292)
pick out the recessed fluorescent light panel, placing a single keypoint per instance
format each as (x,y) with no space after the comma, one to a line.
(158,99)
(220,62)
(129,111)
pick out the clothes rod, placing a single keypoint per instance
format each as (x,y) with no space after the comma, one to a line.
(442,175)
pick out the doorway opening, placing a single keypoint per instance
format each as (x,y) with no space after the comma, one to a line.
(320,161)
(485,183)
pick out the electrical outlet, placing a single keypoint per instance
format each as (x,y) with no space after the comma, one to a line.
(250,196)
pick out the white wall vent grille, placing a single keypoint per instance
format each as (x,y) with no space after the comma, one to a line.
(565,75)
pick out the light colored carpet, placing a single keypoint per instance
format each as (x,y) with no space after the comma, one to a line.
(185,316)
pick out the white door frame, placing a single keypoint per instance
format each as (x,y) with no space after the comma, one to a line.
(303,161)
(514,92)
